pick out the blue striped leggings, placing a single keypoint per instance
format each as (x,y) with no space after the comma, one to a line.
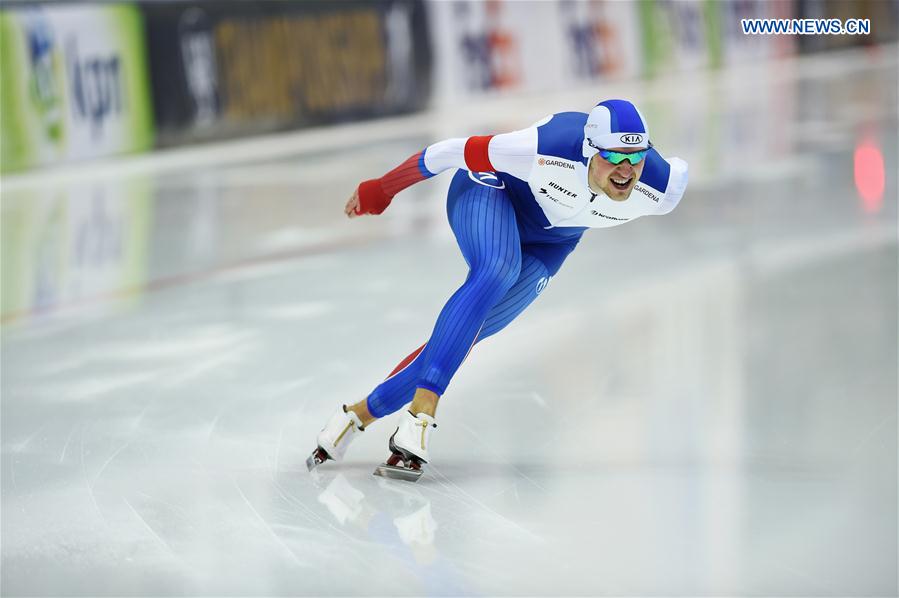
(504,277)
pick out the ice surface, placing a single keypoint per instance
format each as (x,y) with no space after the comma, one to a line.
(698,404)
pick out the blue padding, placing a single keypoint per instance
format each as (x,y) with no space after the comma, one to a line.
(625,118)
(563,136)
(656,171)
(421,166)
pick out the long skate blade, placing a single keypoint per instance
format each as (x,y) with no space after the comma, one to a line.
(317,457)
(398,473)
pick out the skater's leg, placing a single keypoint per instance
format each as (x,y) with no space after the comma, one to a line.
(534,276)
(539,264)
(362,412)
(391,394)
(409,443)
(397,390)
(344,425)
(484,223)
(424,401)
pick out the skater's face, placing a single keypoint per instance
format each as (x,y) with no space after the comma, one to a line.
(615,180)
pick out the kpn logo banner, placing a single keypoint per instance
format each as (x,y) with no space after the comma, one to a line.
(75,84)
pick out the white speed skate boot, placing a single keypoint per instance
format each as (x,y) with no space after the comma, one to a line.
(335,437)
(409,445)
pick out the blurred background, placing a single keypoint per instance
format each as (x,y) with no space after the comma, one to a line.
(700,404)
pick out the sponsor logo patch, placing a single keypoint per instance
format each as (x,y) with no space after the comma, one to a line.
(648,193)
(561,163)
(488,179)
(543,191)
(595,213)
(559,187)
(631,139)
(541,284)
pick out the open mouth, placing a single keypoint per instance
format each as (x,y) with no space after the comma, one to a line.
(621,184)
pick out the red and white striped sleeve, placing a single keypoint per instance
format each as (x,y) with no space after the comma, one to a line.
(512,153)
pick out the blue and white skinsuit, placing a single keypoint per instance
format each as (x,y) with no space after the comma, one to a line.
(518,205)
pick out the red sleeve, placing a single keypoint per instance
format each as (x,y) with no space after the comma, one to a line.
(376,194)
(372,199)
(477,158)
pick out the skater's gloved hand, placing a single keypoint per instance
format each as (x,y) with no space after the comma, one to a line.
(368,198)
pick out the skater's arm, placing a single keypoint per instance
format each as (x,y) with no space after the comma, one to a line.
(512,153)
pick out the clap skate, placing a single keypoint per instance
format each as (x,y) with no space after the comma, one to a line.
(409,446)
(335,437)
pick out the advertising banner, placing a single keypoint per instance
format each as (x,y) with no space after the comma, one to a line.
(737,47)
(677,36)
(74,84)
(883,16)
(682,35)
(64,243)
(501,46)
(221,69)
(506,46)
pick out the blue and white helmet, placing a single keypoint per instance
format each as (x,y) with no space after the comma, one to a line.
(615,123)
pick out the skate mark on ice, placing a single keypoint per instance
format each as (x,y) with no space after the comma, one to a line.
(140,417)
(215,421)
(873,432)
(12,474)
(324,525)
(310,514)
(108,461)
(269,529)
(87,481)
(18,448)
(229,356)
(278,453)
(484,507)
(150,529)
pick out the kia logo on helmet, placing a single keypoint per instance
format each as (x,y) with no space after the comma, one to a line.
(632,139)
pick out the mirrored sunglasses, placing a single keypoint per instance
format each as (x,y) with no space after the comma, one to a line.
(618,157)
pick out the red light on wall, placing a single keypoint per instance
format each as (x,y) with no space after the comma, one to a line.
(869,176)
